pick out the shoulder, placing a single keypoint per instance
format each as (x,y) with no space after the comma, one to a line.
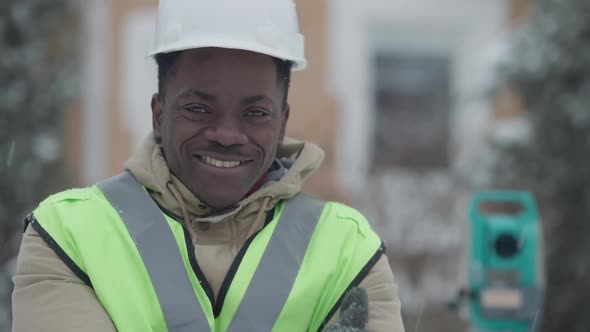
(347,219)
(330,209)
(70,195)
(337,219)
(345,212)
(68,202)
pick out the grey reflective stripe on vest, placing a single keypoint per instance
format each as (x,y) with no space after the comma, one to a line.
(275,275)
(159,251)
(270,286)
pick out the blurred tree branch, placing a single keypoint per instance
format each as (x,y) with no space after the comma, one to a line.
(37,81)
(550,67)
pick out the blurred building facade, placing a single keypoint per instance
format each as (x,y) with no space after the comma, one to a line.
(396,92)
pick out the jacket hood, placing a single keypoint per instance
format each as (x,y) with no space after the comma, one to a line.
(295,162)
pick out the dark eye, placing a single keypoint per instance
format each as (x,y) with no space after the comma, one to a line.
(257,113)
(196,108)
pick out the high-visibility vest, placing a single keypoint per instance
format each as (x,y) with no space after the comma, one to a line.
(290,276)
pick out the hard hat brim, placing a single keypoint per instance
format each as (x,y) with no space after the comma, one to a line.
(298,63)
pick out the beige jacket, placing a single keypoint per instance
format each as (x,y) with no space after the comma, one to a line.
(48,296)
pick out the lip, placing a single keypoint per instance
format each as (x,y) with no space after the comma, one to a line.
(223,157)
(232,171)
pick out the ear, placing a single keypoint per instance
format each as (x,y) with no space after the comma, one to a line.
(157,113)
(285,119)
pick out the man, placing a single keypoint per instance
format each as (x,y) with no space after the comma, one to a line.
(206,230)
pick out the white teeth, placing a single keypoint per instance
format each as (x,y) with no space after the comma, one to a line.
(220,163)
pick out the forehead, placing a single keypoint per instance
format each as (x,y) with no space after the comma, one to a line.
(226,55)
(217,68)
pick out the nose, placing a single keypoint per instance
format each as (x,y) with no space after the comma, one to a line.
(226,134)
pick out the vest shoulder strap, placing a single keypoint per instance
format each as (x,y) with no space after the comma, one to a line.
(160,254)
(275,275)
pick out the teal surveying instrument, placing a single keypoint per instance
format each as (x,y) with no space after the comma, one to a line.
(505,263)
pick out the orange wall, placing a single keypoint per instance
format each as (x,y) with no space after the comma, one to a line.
(508,103)
(119,139)
(314,114)
(519,9)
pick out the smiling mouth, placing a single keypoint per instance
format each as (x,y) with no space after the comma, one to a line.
(221,163)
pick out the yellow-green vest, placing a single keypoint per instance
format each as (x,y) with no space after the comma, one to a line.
(90,236)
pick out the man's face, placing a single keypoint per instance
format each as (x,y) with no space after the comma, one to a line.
(220,121)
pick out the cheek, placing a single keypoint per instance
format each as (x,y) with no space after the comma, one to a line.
(173,132)
(272,140)
(166,126)
(179,129)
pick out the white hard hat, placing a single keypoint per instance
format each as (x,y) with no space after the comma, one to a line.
(264,26)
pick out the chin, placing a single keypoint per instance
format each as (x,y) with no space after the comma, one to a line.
(217,198)
(220,203)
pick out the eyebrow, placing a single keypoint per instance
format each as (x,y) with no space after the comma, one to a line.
(212,98)
(257,98)
(197,93)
